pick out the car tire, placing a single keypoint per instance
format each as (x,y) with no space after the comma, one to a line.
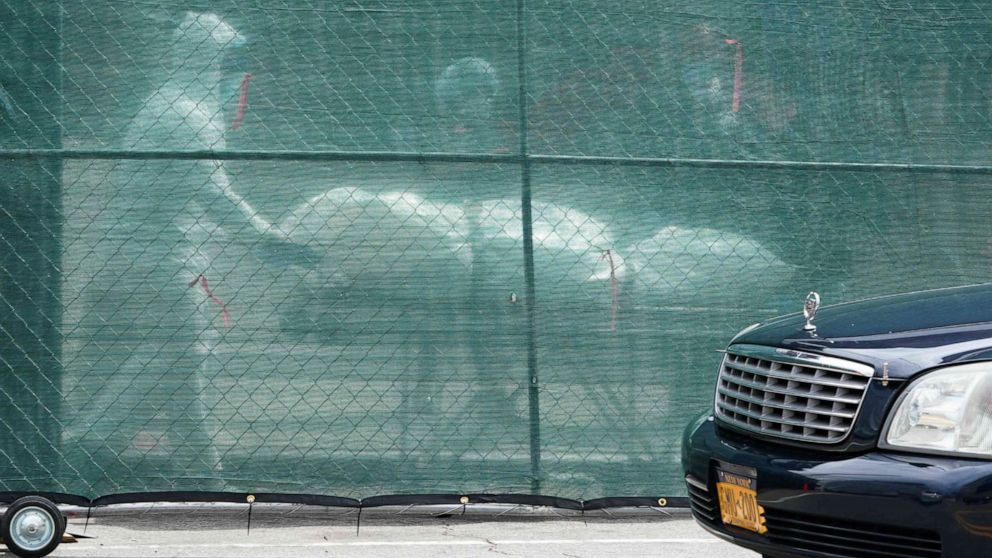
(32,527)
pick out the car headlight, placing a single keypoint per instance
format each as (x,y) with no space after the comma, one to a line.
(947,411)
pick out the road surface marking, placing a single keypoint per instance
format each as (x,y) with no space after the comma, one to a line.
(88,547)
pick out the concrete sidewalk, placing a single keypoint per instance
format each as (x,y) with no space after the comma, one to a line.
(427,531)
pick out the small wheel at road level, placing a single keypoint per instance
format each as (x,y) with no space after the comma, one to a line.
(32,527)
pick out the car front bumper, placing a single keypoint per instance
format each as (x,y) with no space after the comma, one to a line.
(879,504)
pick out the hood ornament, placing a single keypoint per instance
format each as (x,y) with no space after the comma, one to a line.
(810,307)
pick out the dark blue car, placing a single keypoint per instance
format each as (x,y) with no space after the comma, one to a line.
(862,430)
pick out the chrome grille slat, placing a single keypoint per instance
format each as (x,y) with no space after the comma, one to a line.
(765,403)
(796,423)
(781,375)
(791,395)
(796,393)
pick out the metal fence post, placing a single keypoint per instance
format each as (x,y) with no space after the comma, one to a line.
(533,385)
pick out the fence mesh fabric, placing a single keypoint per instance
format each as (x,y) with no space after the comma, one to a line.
(371,247)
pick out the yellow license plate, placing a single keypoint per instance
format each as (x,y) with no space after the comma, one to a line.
(739,502)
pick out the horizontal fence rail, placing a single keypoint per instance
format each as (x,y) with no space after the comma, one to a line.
(399,157)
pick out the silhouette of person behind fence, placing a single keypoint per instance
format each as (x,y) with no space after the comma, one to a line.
(466,94)
(153,317)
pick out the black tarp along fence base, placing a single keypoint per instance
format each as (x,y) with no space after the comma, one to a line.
(660,502)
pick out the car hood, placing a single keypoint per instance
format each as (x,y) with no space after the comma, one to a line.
(910,332)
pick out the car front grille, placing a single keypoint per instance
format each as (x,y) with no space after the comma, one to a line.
(789,394)
(703,505)
(827,535)
(848,538)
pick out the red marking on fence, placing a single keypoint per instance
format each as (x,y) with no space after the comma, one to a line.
(202,280)
(614,289)
(242,102)
(738,74)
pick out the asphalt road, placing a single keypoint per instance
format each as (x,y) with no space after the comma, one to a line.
(218,532)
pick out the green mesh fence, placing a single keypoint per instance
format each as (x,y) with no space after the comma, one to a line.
(420,247)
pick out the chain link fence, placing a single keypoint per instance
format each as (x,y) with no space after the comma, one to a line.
(370,248)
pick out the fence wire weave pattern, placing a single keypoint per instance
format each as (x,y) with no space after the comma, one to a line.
(449,247)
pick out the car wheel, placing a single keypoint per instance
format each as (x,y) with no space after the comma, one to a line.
(32,527)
